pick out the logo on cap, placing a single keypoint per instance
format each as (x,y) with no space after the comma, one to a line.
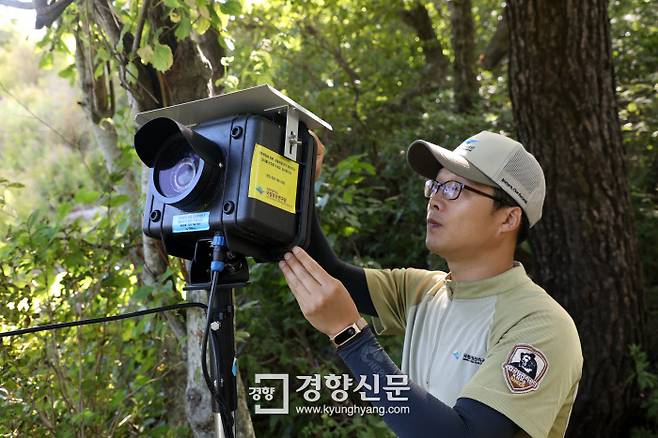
(470,144)
(514,189)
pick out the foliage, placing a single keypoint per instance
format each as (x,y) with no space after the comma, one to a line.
(93,379)
(635,41)
(67,253)
(647,382)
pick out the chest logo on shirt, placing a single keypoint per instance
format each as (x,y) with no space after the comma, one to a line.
(524,368)
(467,357)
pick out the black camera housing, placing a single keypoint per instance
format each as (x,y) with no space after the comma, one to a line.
(200,181)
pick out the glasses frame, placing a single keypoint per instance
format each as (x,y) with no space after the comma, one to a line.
(436,187)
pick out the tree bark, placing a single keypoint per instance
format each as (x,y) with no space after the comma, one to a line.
(213,53)
(465,84)
(198,398)
(563,96)
(98,102)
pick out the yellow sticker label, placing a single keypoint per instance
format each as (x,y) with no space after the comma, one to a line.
(273,179)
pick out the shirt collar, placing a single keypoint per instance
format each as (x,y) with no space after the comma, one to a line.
(513,277)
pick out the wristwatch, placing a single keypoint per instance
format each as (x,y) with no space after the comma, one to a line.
(348,332)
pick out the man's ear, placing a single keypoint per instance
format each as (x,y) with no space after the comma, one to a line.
(512,219)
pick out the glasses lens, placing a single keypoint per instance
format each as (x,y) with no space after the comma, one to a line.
(451,190)
(429,188)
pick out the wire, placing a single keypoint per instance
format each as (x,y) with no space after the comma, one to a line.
(217,395)
(101,320)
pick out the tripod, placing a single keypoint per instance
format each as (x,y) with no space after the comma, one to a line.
(214,268)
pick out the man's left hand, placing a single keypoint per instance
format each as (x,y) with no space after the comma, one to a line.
(323,299)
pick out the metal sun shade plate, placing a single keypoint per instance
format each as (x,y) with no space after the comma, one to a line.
(261,99)
(258,100)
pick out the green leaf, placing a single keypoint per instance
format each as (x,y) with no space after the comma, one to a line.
(63,209)
(141,294)
(183,29)
(202,25)
(118,200)
(100,69)
(85,196)
(146,54)
(131,73)
(230,82)
(231,7)
(46,61)
(162,57)
(68,72)
(172,3)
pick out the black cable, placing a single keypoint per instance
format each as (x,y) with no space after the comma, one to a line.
(217,395)
(101,320)
(223,407)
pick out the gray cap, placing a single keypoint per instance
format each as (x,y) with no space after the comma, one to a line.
(491,159)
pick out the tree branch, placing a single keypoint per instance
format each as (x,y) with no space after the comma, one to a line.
(462,35)
(17,4)
(335,53)
(497,48)
(436,63)
(106,19)
(352,74)
(140,26)
(47,14)
(213,52)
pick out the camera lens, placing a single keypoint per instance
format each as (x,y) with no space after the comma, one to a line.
(183,174)
(176,169)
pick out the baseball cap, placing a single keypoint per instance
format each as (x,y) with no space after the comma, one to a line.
(491,159)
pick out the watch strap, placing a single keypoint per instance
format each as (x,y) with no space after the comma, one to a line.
(348,332)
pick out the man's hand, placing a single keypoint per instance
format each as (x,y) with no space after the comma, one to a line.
(323,299)
(319,155)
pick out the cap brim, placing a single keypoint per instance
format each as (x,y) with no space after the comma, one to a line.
(427,159)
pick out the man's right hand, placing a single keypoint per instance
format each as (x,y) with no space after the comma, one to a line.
(319,156)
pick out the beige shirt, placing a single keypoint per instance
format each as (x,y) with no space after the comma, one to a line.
(502,341)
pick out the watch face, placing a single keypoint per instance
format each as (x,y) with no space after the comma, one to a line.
(344,335)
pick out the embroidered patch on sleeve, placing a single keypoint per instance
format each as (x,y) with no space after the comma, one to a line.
(524,368)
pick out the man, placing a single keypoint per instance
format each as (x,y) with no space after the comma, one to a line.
(488,352)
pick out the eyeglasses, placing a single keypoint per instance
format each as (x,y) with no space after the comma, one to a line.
(450,190)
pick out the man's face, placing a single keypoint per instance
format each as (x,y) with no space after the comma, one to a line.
(462,227)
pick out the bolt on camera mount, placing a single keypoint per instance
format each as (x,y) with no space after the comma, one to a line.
(230,177)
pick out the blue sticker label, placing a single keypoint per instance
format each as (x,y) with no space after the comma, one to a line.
(185,223)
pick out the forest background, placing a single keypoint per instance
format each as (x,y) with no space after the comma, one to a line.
(574,81)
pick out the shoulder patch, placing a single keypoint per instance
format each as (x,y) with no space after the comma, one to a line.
(524,368)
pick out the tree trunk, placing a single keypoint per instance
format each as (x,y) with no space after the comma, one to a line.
(98,102)
(563,97)
(497,47)
(465,84)
(187,79)
(193,75)
(436,63)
